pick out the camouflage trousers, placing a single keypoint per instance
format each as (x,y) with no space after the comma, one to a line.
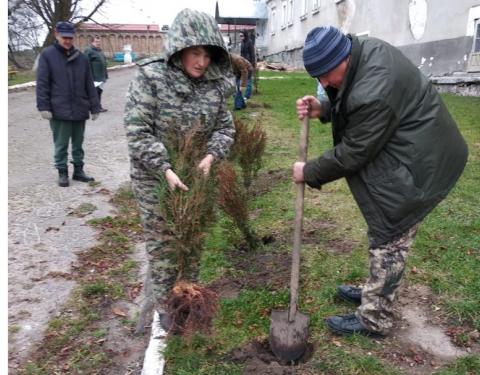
(162,270)
(387,266)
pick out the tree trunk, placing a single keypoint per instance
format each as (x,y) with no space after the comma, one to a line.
(12,59)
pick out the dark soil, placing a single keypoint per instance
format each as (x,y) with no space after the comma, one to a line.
(257,359)
(266,181)
(261,270)
(421,342)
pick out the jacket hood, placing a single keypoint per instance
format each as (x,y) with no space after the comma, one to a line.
(193,28)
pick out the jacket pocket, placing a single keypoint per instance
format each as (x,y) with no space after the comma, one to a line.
(395,193)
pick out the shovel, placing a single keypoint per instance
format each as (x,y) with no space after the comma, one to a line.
(289,328)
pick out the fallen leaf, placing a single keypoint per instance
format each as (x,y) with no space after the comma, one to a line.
(65,350)
(336,343)
(118,311)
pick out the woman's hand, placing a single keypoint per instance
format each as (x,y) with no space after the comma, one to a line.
(308,106)
(206,164)
(174,181)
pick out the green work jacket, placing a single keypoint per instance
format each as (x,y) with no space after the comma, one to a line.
(394,140)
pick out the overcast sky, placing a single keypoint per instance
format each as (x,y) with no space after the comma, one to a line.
(161,12)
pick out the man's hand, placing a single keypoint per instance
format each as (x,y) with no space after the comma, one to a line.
(298,172)
(206,164)
(95,116)
(242,89)
(174,181)
(308,106)
(47,115)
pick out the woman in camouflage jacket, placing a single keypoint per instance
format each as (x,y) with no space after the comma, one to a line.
(188,84)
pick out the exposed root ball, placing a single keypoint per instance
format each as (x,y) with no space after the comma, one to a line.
(191,308)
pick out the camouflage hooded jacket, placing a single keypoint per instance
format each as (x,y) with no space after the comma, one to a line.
(162,95)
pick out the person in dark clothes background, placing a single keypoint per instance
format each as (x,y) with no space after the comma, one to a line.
(247,51)
(66,96)
(98,66)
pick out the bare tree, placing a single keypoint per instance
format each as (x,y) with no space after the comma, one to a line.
(47,13)
(53,11)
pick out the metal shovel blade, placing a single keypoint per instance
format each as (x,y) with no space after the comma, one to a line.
(288,339)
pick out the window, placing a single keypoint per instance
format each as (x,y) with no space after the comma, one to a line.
(273,20)
(315,6)
(284,14)
(304,10)
(476,37)
(290,12)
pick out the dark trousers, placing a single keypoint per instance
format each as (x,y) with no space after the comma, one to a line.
(99,92)
(62,131)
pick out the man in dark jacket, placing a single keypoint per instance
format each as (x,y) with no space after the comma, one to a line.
(98,66)
(66,96)
(394,142)
(247,51)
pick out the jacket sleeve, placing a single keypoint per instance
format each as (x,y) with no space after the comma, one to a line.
(223,135)
(370,126)
(43,85)
(139,120)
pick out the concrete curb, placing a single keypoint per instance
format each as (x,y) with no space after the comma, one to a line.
(27,85)
(154,362)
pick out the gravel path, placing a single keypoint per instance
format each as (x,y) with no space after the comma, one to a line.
(43,238)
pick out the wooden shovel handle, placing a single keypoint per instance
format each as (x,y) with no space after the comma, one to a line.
(297,236)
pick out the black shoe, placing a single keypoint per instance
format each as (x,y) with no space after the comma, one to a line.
(348,325)
(103,110)
(350,293)
(63,177)
(79,175)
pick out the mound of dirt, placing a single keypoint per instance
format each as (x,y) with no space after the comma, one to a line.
(259,360)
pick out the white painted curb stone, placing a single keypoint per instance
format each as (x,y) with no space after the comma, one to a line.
(154,361)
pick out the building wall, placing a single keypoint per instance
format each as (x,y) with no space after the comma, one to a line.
(143,44)
(436,35)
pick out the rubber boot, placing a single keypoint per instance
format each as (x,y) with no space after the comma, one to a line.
(79,174)
(63,177)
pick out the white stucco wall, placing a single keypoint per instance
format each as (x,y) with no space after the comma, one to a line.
(409,24)
(385,19)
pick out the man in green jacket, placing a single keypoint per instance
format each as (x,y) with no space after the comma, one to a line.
(98,66)
(394,142)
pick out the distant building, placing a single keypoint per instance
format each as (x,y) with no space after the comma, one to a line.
(440,37)
(144,39)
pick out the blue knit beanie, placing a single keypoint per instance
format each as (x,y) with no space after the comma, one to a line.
(325,48)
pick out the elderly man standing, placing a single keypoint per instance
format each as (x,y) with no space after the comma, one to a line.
(66,96)
(398,148)
(98,66)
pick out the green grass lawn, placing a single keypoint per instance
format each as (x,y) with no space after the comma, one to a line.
(445,256)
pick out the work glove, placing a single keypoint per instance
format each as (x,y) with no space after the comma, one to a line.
(47,115)
(95,116)
(174,181)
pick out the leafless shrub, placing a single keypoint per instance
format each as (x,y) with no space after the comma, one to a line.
(248,149)
(232,198)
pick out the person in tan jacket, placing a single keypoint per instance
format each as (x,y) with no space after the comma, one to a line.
(241,69)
